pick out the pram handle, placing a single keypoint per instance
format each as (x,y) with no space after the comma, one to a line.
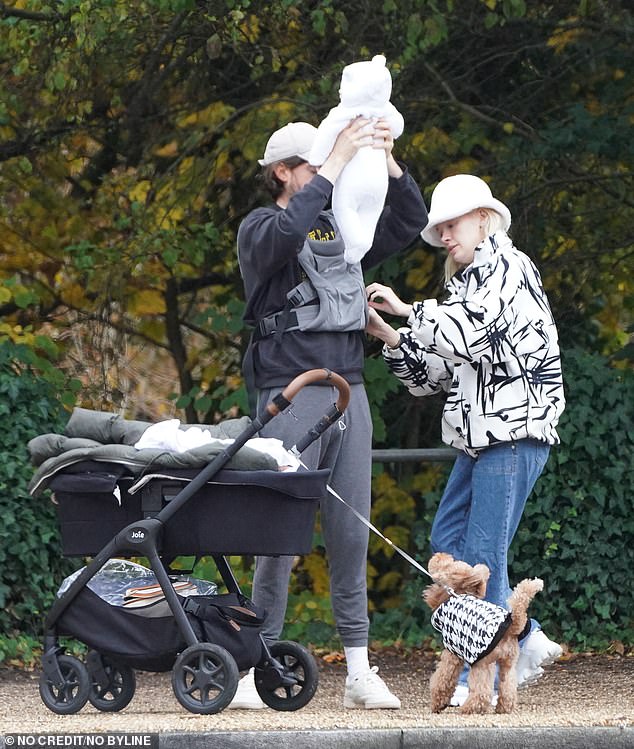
(283,400)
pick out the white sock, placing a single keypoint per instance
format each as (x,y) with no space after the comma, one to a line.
(356,661)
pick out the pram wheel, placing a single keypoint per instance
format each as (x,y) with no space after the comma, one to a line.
(113,684)
(287,681)
(71,694)
(205,678)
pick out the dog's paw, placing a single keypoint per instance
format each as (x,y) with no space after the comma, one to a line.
(505,705)
(477,705)
(439,700)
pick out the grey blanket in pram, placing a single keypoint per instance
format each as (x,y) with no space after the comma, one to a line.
(109,438)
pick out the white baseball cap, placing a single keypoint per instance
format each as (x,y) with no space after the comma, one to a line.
(294,139)
(457,195)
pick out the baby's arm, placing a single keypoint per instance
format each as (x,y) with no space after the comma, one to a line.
(337,119)
(394,119)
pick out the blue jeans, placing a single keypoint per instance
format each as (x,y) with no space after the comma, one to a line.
(482,504)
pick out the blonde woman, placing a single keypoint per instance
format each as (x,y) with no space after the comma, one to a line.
(492,346)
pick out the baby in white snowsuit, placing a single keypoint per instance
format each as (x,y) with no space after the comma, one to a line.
(359,193)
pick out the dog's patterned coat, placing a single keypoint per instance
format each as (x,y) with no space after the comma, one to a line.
(470,627)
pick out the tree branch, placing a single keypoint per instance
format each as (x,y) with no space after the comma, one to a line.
(176,344)
(30,15)
(31,142)
(522,127)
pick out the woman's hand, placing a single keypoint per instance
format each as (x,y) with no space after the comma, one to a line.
(383,298)
(380,329)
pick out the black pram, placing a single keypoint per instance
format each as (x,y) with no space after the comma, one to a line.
(204,639)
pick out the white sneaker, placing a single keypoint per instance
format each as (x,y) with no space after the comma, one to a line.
(369,691)
(246,696)
(461,693)
(535,652)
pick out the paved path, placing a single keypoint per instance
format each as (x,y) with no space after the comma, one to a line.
(582,701)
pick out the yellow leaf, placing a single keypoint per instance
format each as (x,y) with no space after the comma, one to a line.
(466,165)
(186,165)
(561,39)
(168,150)
(147,302)
(74,295)
(508,127)
(418,140)
(210,372)
(389,581)
(172,217)
(334,657)
(209,117)
(251,28)
(139,192)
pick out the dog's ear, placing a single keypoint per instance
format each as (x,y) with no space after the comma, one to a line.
(434,595)
(440,561)
(482,571)
(478,579)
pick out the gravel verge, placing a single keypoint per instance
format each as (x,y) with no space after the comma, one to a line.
(577,691)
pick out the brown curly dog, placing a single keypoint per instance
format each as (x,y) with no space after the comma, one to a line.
(462,578)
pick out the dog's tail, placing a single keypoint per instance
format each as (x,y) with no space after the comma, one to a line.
(518,602)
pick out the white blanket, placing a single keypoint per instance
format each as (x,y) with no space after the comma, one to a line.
(168,435)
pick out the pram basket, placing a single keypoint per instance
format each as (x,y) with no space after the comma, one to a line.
(204,640)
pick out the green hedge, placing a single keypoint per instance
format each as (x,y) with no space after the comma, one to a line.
(577,531)
(31,565)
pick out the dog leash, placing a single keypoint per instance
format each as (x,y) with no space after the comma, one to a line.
(373,528)
(485,628)
(388,541)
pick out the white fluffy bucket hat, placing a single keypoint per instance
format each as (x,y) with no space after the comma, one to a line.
(457,195)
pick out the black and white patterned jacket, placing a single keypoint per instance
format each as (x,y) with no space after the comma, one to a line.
(492,346)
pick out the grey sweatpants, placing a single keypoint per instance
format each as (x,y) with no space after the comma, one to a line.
(347,452)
